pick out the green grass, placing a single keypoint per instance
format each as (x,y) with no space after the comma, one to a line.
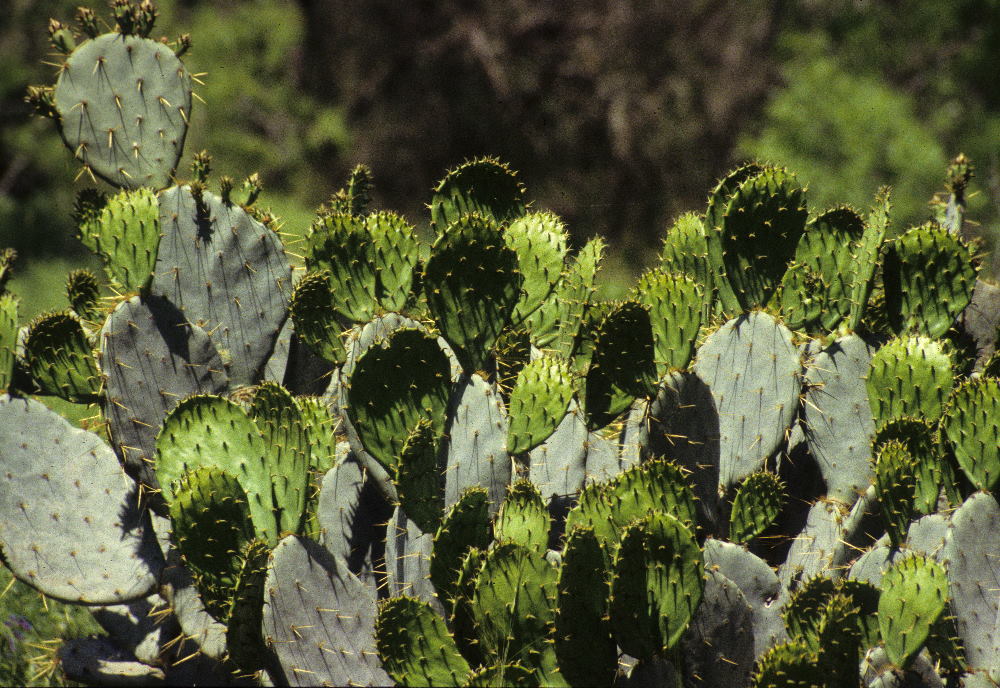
(30,629)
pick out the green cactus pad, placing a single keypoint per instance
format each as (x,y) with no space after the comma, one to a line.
(572,297)
(472,284)
(462,620)
(123,104)
(211,431)
(8,339)
(395,384)
(513,675)
(804,612)
(465,526)
(311,311)
(929,460)
(757,503)
(70,521)
(675,303)
(60,358)
(896,486)
(866,258)
(396,252)
(622,366)
(341,245)
(684,251)
(790,665)
(523,518)
(593,511)
(126,235)
(83,292)
(910,376)
(354,197)
(211,526)
(538,403)
(914,595)
(244,640)
(584,644)
(657,585)
(151,358)
(972,426)
(420,479)
(476,442)
(753,370)
(761,227)
(539,240)
(838,421)
(319,619)
(279,418)
(227,273)
(655,486)
(972,554)
(929,277)
(799,296)
(483,186)
(826,248)
(514,604)
(718,204)
(415,646)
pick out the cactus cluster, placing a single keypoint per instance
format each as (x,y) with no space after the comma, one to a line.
(773,463)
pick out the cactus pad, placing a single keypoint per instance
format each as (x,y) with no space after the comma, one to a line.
(484,186)
(753,370)
(929,277)
(675,303)
(910,376)
(124,103)
(914,595)
(60,358)
(227,273)
(657,585)
(71,525)
(538,403)
(415,646)
(472,285)
(972,426)
(319,619)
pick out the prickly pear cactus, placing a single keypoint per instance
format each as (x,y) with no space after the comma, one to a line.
(497,479)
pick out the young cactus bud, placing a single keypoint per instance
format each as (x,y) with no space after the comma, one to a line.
(252,188)
(201,167)
(226,188)
(83,291)
(42,98)
(125,16)
(183,44)
(960,171)
(145,16)
(87,20)
(7,258)
(61,36)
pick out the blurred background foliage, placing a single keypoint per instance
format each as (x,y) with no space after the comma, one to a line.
(619,115)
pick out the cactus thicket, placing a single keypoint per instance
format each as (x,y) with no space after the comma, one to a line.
(774,463)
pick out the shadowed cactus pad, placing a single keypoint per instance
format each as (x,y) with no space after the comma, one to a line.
(472,284)
(753,370)
(656,586)
(483,186)
(929,276)
(415,646)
